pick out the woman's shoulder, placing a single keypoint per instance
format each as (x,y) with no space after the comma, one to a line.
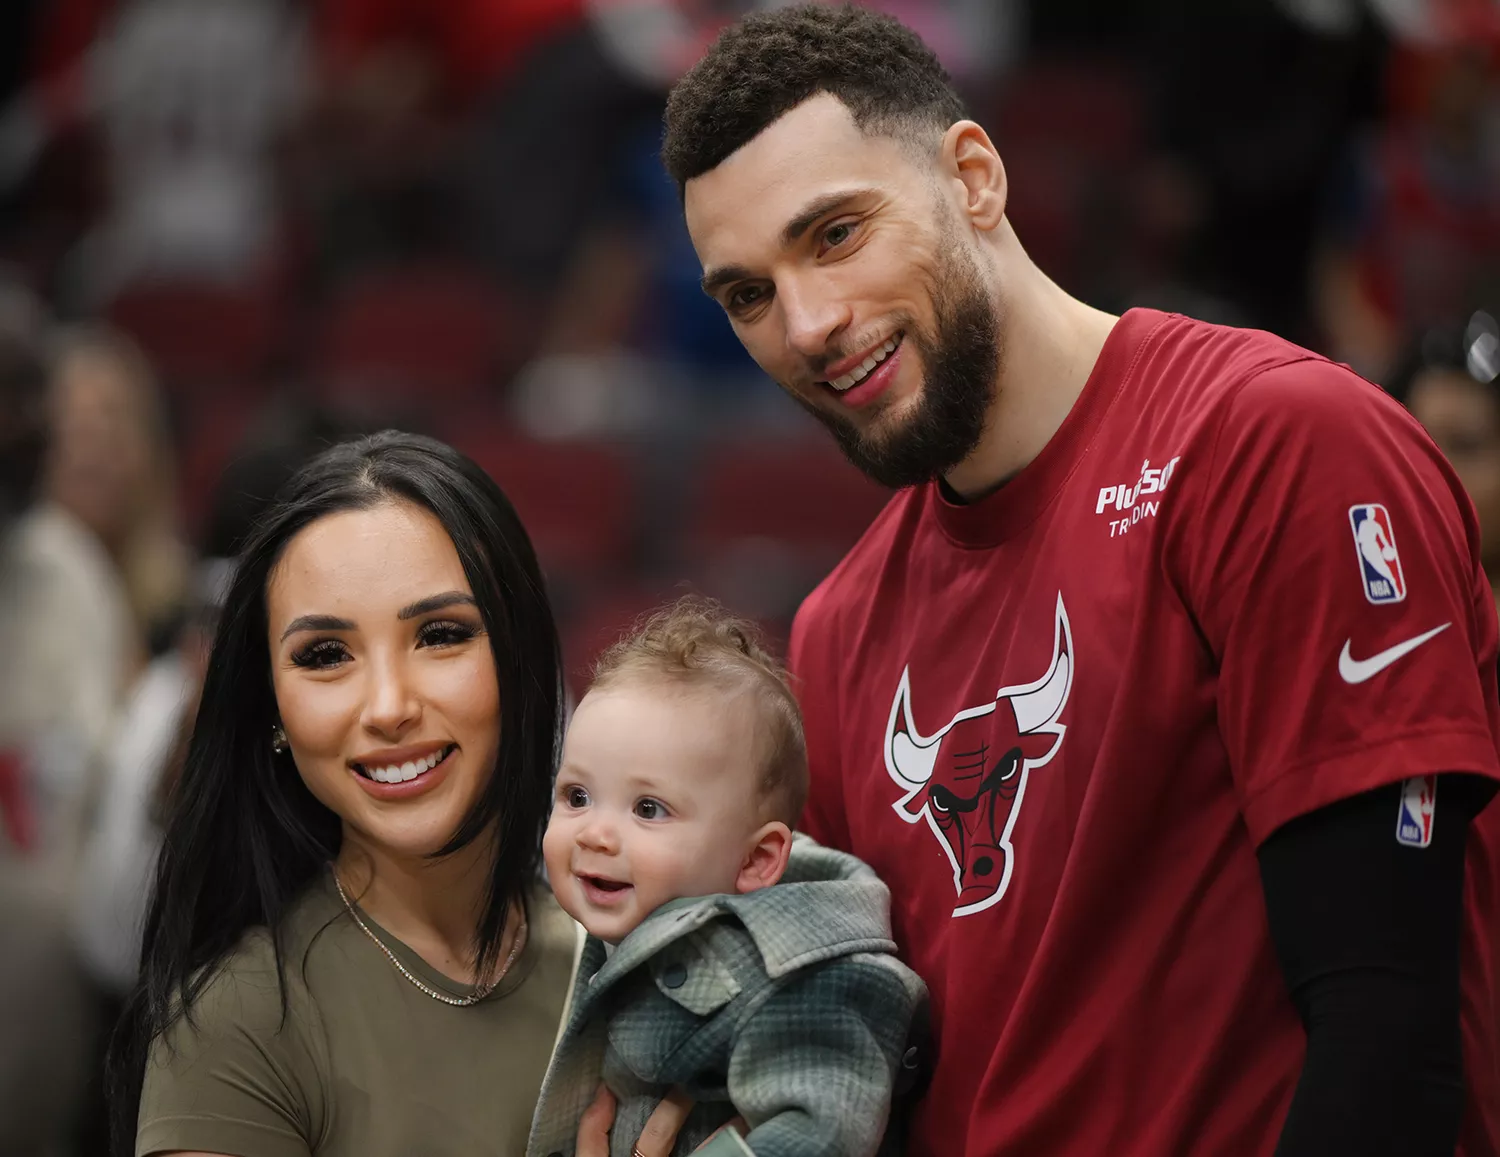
(248,988)
(247,1050)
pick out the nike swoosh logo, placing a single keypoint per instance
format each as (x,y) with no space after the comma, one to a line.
(1353,670)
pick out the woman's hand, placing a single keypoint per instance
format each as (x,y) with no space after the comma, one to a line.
(657,1138)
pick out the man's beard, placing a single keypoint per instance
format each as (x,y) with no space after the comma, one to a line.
(961,361)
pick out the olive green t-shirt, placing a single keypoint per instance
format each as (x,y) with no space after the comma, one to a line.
(366,1064)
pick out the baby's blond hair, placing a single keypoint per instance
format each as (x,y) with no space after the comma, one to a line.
(696,642)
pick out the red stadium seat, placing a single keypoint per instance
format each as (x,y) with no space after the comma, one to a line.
(576,499)
(599,622)
(199,333)
(211,434)
(427,332)
(801,493)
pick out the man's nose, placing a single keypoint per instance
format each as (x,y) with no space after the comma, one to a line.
(814,316)
(392,706)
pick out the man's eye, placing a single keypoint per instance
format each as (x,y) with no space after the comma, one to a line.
(746,296)
(836,235)
(650,809)
(577,797)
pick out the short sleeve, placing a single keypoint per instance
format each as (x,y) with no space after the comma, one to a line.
(236,1079)
(1331,559)
(811,660)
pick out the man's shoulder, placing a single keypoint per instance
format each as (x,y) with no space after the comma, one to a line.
(1251,369)
(1222,390)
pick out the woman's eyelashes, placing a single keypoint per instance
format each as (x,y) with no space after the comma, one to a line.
(320,654)
(446,633)
(323,654)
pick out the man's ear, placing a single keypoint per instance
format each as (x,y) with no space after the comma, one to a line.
(765,861)
(969,156)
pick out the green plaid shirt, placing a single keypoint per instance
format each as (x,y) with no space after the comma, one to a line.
(786,1006)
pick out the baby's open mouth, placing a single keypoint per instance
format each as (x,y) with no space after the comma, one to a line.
(603,884)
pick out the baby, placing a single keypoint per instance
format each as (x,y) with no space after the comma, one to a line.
(754,970)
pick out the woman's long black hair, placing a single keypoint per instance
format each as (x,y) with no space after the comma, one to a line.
(244,837)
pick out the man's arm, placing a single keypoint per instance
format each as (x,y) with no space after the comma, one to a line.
(1368,931)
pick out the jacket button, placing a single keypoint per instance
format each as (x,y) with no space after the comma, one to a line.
(909,1058)
(674,976)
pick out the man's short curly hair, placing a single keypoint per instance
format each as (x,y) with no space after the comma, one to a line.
(766,65)
(696,643)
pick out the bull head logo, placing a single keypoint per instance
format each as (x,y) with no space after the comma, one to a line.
(969,777)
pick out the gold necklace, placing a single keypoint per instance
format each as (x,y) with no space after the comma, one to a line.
(480,990)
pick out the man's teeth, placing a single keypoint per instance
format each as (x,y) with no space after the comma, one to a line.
(406,771)
(862,371)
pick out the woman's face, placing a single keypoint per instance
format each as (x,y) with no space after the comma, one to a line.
(1463,418)
(101,456)
(383,676)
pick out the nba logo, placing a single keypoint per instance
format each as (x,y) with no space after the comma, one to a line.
(1375,546)
(1414,819)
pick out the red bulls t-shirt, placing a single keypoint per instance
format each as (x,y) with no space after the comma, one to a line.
(1238,584)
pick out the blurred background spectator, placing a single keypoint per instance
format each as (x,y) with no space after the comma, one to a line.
(232,231)
(1450,381)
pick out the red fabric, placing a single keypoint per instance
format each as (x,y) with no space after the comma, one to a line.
(1058,721)
(16,817)
(67,30)
(477,41)
(1424,250)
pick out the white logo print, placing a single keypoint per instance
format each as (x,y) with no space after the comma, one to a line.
(968,778)
(1131,501)
(1353,670)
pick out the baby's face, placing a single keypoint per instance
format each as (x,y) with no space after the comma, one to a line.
(656,799)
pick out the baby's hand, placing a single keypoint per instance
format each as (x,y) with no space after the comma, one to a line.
(656,1139)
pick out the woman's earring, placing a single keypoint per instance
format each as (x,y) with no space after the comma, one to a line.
(278,740)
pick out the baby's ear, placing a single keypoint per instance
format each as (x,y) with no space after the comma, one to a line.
(766,859)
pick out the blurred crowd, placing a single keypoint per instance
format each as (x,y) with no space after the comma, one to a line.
(233,231)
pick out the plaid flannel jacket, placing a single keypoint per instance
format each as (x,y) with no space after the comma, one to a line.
(786,1006)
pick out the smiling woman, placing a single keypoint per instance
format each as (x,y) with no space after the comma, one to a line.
(347,950)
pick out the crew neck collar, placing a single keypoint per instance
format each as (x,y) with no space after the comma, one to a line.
(419,967)
(1018,503)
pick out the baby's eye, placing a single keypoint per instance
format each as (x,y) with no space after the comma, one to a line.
(576,797)
(651,809)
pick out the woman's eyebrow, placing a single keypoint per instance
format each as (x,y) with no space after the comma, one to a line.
(317,623)
(436,603)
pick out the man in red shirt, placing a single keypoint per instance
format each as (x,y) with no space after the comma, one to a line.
(1162,695)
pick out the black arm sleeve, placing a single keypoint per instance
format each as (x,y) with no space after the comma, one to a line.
(1367,931)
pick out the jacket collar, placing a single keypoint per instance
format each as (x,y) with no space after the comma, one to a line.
(828,904)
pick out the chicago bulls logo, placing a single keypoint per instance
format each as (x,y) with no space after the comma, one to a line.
(968,778)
